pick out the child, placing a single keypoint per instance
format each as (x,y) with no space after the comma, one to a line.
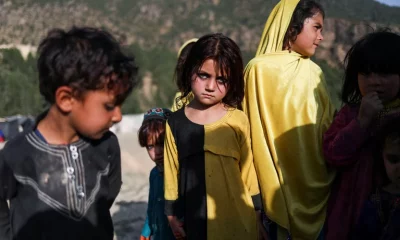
(289,109)
(182,55)
(151,136)
(380,217)
(210,180)
(62,177)
(371,97)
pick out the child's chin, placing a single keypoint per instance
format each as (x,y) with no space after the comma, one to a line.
(97,136)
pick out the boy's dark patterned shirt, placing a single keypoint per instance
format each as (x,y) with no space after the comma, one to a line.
(58,191)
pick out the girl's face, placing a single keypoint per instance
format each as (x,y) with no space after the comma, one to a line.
(391,157)
(385,85)
(155,150)
(310,36)
(208,85)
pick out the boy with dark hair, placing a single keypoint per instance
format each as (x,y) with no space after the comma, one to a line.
(62,177)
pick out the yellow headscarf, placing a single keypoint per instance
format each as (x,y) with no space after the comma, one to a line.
(289,109)
(193,40)
(181,102)
(276,26)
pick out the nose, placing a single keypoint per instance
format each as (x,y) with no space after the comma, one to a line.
(320,36)
(210,86)
(159,150)
(374,79)
(117,115)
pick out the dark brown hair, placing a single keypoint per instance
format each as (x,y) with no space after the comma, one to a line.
(84,59)
(226,53)
(152,128)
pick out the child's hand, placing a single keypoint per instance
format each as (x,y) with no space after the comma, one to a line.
(144,238)
(177,227)
(371,105)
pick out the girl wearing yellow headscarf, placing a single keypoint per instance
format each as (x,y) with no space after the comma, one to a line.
(289,109)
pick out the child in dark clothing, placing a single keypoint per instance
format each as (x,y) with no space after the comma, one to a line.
(370,96)
(151,136)
(62,177)
(380,217)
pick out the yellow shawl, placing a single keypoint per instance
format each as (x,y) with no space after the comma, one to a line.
(289,109)
(179,103)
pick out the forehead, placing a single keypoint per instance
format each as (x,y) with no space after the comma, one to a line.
(99,95)
(154,138)
(315,19)
(211,66)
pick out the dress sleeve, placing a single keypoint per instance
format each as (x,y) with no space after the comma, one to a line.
(344,139)
(7,190)
(171,171)
(114,175)
(247,169)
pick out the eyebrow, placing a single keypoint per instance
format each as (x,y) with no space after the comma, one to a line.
(206,73)
(203,72)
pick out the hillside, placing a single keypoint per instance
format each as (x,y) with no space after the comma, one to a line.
(155,29)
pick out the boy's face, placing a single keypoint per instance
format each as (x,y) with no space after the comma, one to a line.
(94,113)
(391,156)
(155,150)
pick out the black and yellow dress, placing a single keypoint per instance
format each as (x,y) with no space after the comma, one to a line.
(210,180)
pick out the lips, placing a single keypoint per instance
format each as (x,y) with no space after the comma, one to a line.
(207,95)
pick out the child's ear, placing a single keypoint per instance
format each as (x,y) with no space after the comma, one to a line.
(64,98)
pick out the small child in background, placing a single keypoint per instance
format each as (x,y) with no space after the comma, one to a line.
(371,97)
(380,217)
(211,187)
(151,136)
